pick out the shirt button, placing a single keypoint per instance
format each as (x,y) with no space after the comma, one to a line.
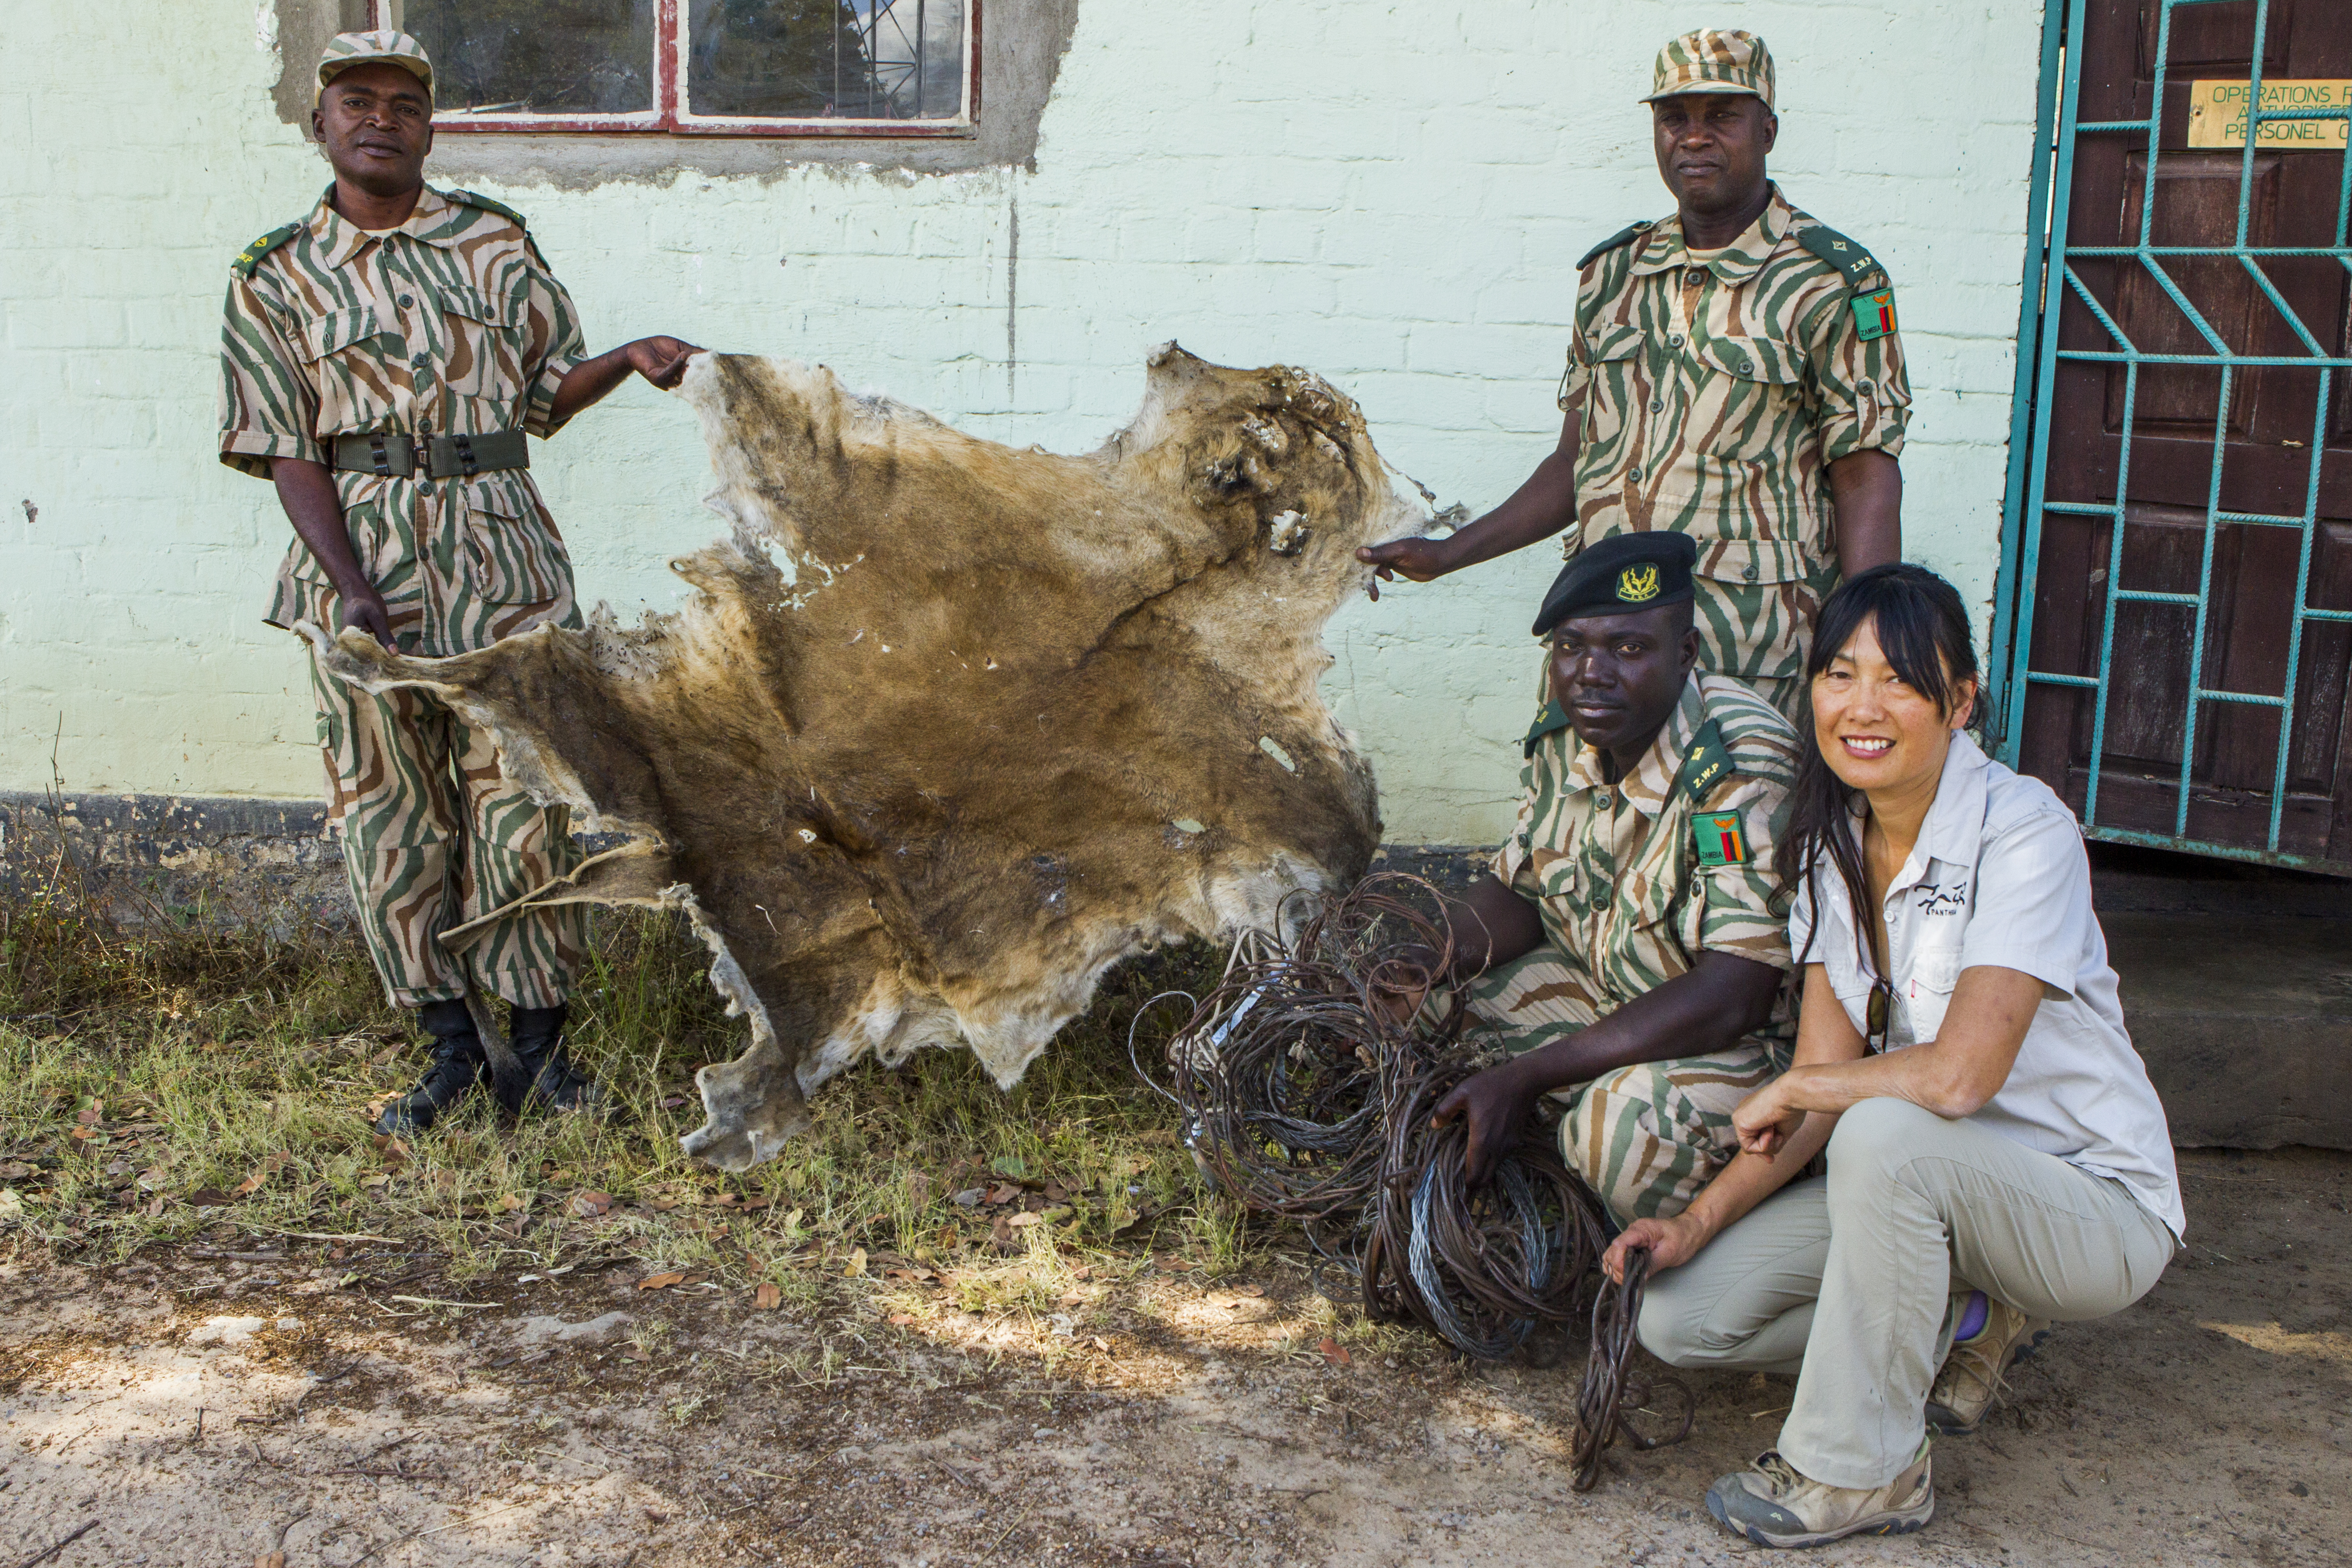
(1674,341)
(1634,475)
(1749,573)
(420,361)
(406,300)
(1862,386)
(1746,367)
(1695,274)
(1657,406)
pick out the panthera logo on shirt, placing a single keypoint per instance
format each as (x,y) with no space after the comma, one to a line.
(1720,838)
(1637,584)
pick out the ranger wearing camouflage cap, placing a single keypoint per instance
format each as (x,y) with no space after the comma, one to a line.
(1735,374)
(381,361)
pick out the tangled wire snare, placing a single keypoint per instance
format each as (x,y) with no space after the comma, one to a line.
(1608,1386)
(1277,1070)
(1479,1267)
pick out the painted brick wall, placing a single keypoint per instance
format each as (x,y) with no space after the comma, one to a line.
(1389,194)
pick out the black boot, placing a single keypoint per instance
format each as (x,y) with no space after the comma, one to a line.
(554,1084)
(458,1068)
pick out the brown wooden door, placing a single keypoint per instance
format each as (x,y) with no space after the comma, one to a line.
(2267,443)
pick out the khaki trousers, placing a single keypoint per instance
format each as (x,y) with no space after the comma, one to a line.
(1845,1281)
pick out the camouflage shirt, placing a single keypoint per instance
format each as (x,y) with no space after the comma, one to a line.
(1635,880)
(1711,397)
(449,324)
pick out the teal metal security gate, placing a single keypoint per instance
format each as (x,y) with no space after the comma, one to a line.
(2172,640)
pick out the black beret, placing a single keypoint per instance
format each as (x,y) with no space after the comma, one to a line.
(1621,574)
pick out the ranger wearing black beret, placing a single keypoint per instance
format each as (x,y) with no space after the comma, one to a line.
(1624,944)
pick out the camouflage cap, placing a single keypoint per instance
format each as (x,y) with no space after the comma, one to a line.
(1712,61)
(345,50)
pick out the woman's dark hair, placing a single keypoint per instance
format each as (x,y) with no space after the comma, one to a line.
(1923,630)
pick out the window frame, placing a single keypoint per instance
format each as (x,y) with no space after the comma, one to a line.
(671,116)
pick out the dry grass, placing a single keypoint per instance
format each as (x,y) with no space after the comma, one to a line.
(185,1082)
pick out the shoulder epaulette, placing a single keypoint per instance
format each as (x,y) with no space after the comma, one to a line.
(1631,231)
(1852,263)
(487,205)
(1553,717)
(1706,764)
(250,256)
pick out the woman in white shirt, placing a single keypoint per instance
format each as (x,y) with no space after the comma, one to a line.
(1997,1156)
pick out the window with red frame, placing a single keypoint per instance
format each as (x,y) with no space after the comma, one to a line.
(744,67)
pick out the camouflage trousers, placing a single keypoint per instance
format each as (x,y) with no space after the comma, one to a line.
(433,837)
(1645,1138)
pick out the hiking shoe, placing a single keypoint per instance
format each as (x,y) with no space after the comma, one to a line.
(459,1067)
(1772,1504)
(1991,1337)
(550,1080)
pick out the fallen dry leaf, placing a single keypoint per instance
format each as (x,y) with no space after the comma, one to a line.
(902,1318)
(857,1262)
(767,1297)
(90,1115)
(511,1202)
(395,1152)
(659,1281)
(1335,1353)
(1024,1219)
(1100,1344)
(588,1206)
(209,1198)
(13,1170)
(156,1207)
(270,1559)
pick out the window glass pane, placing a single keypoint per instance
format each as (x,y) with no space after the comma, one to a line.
(542,57)
(825,59)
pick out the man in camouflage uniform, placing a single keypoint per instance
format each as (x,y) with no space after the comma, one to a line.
(1735,375)
(381,361)
(1624,944)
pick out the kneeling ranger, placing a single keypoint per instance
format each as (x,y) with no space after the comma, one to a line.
(1624,943)
(381,361)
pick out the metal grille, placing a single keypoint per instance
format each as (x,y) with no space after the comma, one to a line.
(2057,290)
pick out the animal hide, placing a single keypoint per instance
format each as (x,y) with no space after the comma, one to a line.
(947,728)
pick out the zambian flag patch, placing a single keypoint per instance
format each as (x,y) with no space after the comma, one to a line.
(1720,838)
(1874,314)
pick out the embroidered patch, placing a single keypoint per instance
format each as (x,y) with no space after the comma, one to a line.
(1637,584)
(1874,314)
(1720,838)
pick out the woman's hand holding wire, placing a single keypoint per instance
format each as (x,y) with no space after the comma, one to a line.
(1669,1242)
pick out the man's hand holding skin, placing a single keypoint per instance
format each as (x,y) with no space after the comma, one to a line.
(661,361)
(307,491)
(1788,1122)
(1541,506)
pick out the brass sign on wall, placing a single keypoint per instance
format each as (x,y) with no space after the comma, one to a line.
(2217,114)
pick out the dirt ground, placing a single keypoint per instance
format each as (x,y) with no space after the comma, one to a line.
(199,1408)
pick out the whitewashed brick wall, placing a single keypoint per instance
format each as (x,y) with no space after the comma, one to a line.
(1391,195)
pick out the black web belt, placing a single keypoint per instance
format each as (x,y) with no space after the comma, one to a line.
(395,456)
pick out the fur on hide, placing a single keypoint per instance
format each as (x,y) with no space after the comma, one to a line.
(948,728)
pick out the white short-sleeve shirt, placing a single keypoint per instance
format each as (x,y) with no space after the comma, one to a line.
(1999,876)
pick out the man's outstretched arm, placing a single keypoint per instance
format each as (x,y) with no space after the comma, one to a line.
(1542,505)
(661,361)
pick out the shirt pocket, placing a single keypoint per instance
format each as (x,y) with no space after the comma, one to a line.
(484,355)
(341,352)
(513,552)
(1750,410)
(1927,993)
(1611,357)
